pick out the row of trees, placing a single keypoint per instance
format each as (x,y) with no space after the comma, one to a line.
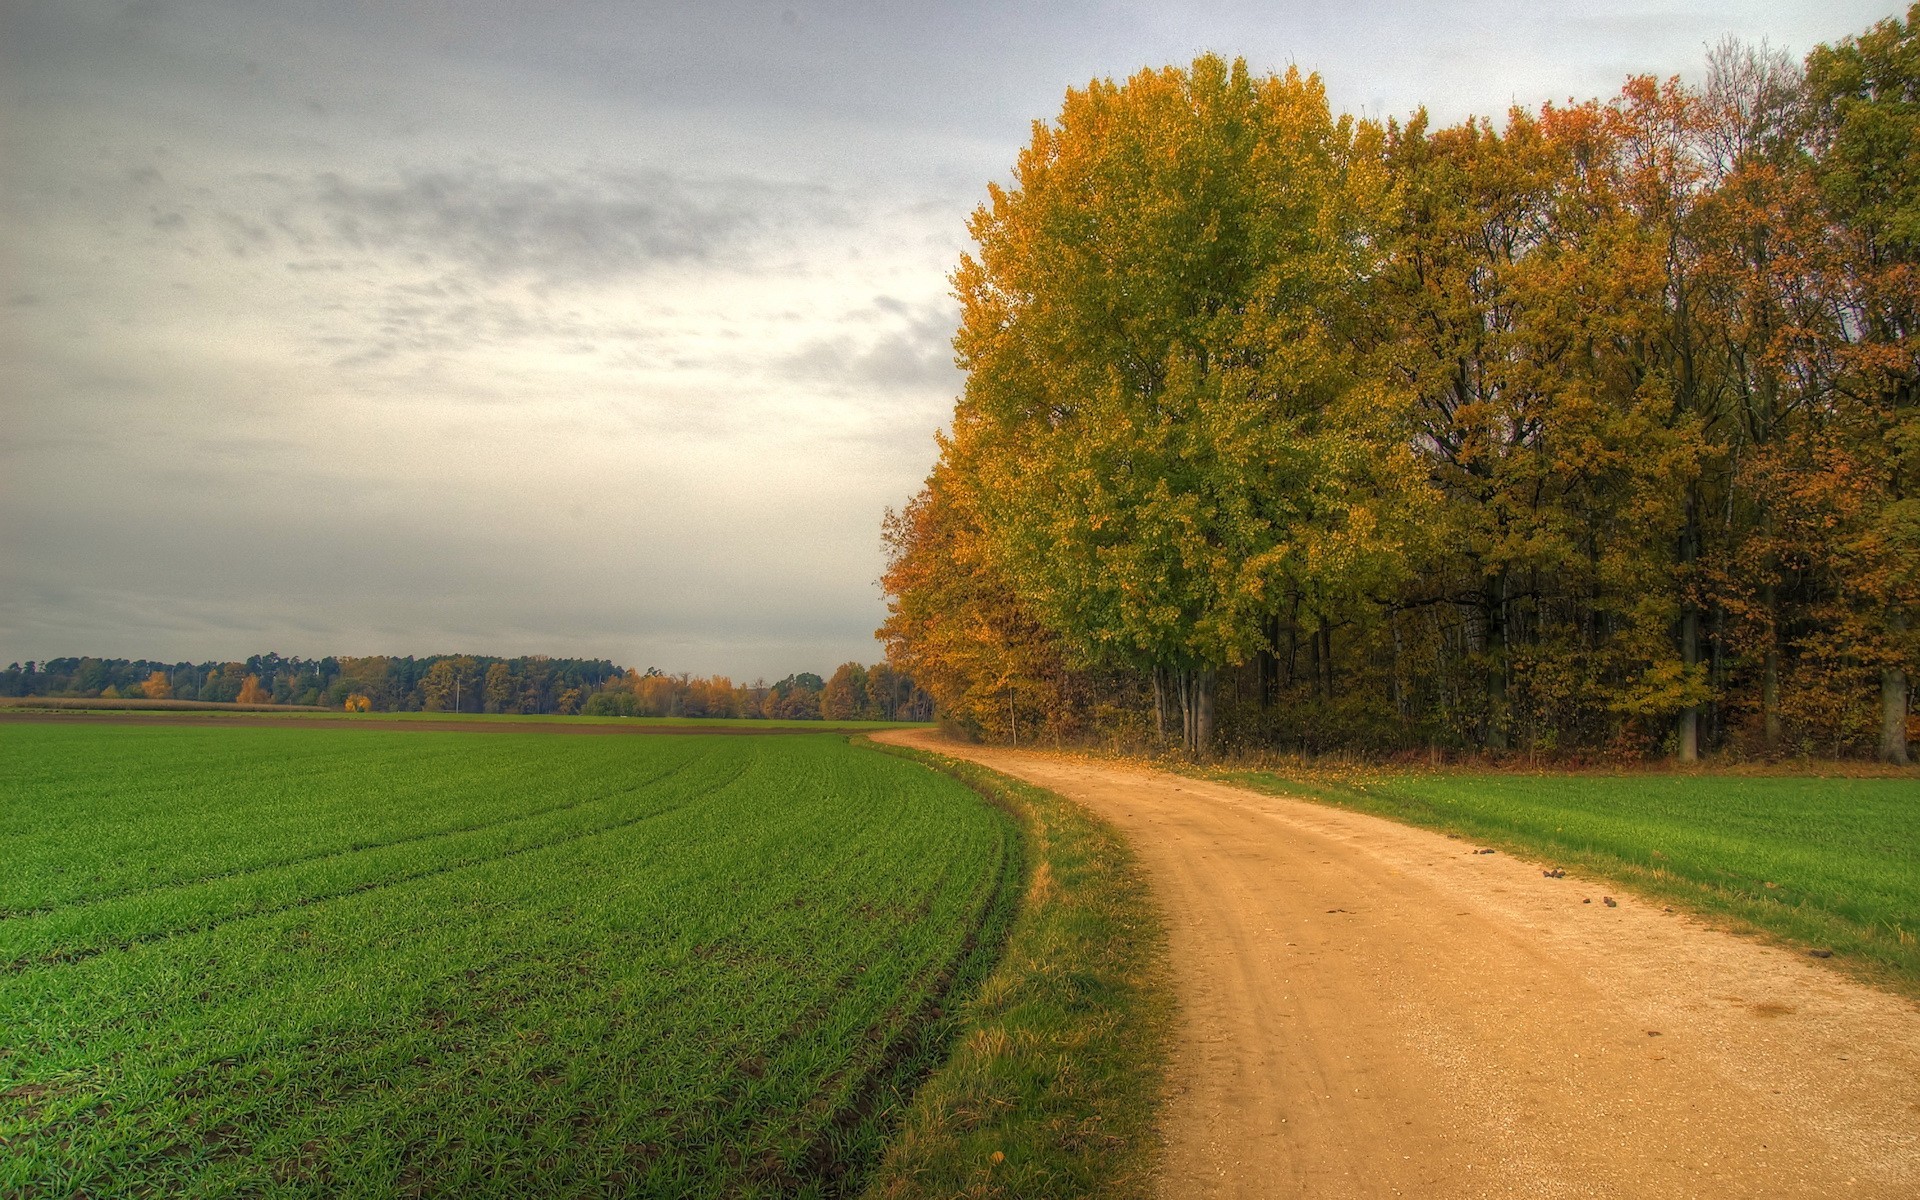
(477,684)
(853,693)
(436,683)
(1594,430)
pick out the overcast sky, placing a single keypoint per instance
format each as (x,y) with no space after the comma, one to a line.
(581,329)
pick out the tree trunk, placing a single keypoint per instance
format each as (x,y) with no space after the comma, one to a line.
(1313,657)
(1270,663)
(1160,705)
(1183,687)
(1688,733)
(1496,618)
(1202,714)
(1399,684)
(1893,715)
(1893,705)
(1326,660)
(1293,646)
(1771,730)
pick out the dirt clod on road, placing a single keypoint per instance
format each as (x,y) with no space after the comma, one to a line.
(1369,1009)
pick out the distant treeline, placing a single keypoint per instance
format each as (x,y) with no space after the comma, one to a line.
(1596,429)
(851,693)
(477,684)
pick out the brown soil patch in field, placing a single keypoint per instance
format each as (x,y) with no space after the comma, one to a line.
(1370,1009)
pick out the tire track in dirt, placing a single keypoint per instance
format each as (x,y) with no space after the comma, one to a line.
(1370,1009)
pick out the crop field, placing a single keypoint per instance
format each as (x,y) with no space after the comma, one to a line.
(18,708)
(277,961)
(1833,862)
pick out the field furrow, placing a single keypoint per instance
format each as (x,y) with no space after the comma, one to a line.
(79,931)
(134,891)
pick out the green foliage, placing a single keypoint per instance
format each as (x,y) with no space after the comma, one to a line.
(361,963)
(1595,429)
(1865,95)
(1157,333)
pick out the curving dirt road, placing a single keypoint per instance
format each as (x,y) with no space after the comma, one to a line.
(1371,1010)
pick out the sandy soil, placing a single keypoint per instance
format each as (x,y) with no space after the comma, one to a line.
(1375,1010)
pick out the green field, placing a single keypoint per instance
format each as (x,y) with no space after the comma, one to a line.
(1833,863)
(277,961)
(158,711)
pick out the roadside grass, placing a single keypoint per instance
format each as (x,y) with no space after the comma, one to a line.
(1818,862)
(1059,1057)
(275,961)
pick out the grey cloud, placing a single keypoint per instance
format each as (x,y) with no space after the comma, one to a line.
(912,352)
(589,226)
(481,255)
(403,327)
(546,228)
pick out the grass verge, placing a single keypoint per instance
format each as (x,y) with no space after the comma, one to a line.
(1826,863)
(1058,1057)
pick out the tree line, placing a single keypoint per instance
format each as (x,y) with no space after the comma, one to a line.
(478,684)
(852,693)
(1589,431)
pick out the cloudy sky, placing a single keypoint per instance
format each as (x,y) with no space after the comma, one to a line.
(606,329)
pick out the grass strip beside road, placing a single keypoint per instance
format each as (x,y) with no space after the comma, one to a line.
(1058,1059)
(1821,863)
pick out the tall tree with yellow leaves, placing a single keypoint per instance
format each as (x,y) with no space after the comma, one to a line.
(1152,329)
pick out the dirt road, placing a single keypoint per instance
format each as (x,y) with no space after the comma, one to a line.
(1374,1010)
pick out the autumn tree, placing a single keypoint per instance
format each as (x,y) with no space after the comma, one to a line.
(1151,326)
(1863,99)
(251,692)
(1756,224)
(715,696)
(844,695)
(1595,427)
(157,686)
(437,687)
(451,685)
(499,689)
(955,623)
